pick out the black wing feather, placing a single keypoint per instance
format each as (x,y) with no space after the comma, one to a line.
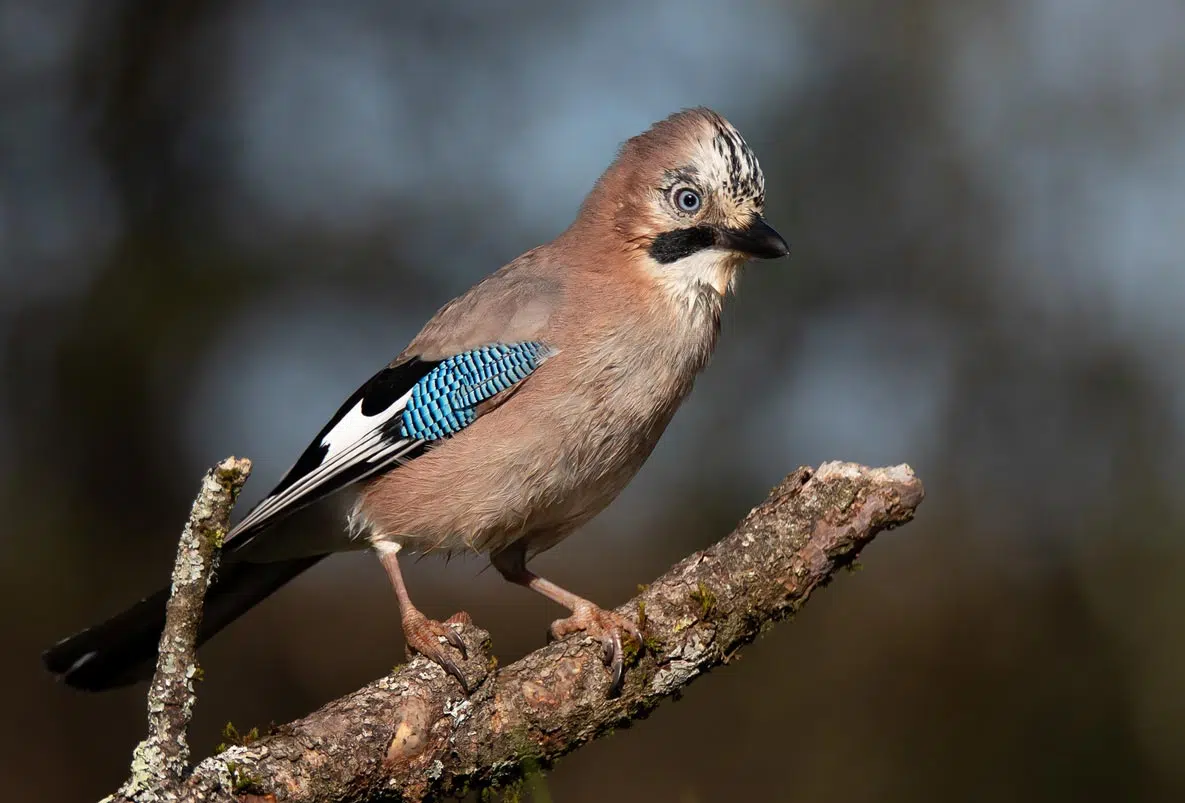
(376,395)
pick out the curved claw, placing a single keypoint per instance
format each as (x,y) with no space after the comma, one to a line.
(616,664)
(423,636)
(454,638)
(607,627)
(449,666)
(610,647)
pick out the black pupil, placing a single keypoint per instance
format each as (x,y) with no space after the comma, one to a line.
(688,200)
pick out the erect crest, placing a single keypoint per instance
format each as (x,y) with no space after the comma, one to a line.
(745,179)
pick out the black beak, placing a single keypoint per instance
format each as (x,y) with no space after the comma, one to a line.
(758,240)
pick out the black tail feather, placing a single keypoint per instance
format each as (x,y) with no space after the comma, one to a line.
(122,650)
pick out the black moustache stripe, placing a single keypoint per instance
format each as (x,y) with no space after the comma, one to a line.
(671,246)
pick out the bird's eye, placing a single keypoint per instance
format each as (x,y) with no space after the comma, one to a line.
(687,200)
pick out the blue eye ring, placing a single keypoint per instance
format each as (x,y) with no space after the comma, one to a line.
(687,200)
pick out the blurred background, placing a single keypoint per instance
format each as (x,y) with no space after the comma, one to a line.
(218,218)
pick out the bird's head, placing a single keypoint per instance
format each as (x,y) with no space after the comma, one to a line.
(686,198)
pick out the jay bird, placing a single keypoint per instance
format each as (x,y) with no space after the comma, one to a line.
(521,409)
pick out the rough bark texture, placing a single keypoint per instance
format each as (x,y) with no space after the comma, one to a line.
(414,735)
(161,761)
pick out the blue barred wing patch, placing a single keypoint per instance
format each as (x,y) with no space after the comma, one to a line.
(445,401)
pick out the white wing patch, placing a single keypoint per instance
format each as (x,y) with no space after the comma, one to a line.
(355,440)
(355,426)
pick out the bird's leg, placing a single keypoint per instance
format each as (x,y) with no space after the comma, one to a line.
(587,617)
(423,635)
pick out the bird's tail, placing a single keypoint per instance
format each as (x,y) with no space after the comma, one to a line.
(122,650)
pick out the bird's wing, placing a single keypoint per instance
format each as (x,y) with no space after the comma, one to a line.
(391,419)
(478,344)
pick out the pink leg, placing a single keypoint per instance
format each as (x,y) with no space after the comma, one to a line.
(423,635)
(586,617)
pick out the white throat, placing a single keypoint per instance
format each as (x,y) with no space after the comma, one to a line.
(687,279)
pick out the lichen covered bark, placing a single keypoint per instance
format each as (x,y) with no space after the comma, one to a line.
(160,762)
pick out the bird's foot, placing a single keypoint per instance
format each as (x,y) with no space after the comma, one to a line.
(607,627)
(429,638)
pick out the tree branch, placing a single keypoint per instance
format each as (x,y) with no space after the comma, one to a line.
(414,735)
(160,762)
